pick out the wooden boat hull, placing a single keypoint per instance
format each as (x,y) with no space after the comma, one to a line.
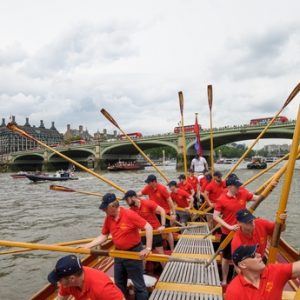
(36,178)
(129,168)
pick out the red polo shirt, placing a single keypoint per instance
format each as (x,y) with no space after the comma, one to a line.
(181,198)
(125,230)
(184,185)
(214,190)
(272,281)
(147,211)
(159,195)
(193,181)
(203,183)
(96,286)
(262,229)
(229,206)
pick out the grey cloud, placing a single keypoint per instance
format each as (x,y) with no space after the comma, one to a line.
(11,54)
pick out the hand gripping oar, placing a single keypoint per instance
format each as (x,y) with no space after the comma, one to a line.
(15,128)
(181,105)
(285,191)
(194,211)
(286,103)
(111,253)
(210,102)
(113,121)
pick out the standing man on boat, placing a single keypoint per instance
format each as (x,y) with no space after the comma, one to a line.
(148,210)
(256,280)
(124,225)
(82,282)
(253,231)
(159,194)
(199,165)
(228,204)
(183,200)
(211,194)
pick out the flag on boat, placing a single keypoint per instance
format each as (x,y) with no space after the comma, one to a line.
(197,146)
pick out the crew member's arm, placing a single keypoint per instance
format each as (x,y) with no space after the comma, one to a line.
(149,235)
(159,210)
(296,269)
(218,219)
(172,208)
(97,241)
(206,198)
(191,202)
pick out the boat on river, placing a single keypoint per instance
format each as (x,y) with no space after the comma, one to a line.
(125,166)
(58,176)
(257,163)
(19,175)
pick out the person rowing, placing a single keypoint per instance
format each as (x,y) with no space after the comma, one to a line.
(256,280)
(82,282)
(124,225)
(159,194)
(193,180)
(148,210)
(253,231)
(228,204)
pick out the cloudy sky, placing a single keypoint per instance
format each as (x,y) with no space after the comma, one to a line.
(65,60)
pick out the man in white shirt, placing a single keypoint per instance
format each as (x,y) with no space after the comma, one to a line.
(199,165)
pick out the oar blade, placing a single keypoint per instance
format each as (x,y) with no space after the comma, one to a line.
(109,117)
(60,188)
(210,96)
(292,95)
(181,102)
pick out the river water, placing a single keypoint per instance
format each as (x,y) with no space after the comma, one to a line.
(33,213)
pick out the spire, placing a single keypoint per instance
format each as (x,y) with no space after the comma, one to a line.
(42,124)
(52,126)
(27,122)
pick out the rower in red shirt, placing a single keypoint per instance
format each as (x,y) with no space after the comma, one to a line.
(82,282)
(203,182)
(256,280)
(212,192)
(253,231)
(228,205)
(194,182)
(148,209)
(183,184)
(159,194)
(124,225)
(183,199)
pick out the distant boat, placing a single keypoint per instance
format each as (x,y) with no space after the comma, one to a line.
(258,162)
(125,166)
(271,159)
(58,176)
(19,175)
(227,161)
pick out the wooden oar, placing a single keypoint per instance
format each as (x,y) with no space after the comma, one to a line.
(111,253)
(285,191)
(193,211)
(60,188)
(212,231)
(210,102)
(15,128)
(113,121)
(181,105)
(286,103)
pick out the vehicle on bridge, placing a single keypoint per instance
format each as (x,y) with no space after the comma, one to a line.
(78,142)
(187,128)
(133,135)
(264,121)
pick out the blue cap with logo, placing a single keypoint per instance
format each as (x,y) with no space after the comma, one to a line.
(129,193)
(233,181)
(107,199)
(244,216)
(243,252)
(151,178)
(172,183)
(66,266)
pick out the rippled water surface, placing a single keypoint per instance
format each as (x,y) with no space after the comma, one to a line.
(33,213)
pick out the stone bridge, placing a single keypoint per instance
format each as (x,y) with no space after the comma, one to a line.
(97,154)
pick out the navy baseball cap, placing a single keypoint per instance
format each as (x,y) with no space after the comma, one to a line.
(65,266)
(107,199)
(151,178)
(172,183)
(244,216)
(233,181)
(129,193)
(208,176)
(181,176)
(233,175)
(217,174)
(243,252)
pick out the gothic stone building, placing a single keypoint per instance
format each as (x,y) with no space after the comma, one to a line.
(12,142)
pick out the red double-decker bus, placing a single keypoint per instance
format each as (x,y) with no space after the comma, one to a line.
(133,135)
(264,121)
(187,128)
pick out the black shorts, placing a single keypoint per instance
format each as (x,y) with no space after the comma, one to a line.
(156,242)
(167,221)
(227,250)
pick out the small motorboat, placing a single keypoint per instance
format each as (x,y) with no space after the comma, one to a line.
(125,166)
(19,175)
(257,163)
(58,176)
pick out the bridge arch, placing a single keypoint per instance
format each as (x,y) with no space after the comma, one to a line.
(27,162)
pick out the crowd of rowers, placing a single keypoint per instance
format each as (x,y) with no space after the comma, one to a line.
(147,211)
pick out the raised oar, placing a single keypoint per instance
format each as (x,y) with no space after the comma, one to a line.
(285,191)
(15,128)
(286,103)
(111,253)
(181,105)
(113,121)
(210,101)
